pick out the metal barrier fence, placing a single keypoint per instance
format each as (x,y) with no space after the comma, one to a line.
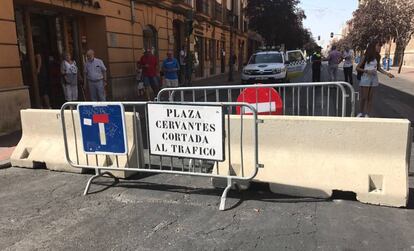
(305,99)
(138,157)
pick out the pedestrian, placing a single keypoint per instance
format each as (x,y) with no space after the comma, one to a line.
(95,72)
(389,63)
(41,60)
(357,59)
(149,64)
(334,58)
(170,67)
(348,57)
(183,61)
(234,61)
(384,62)
(316,60)
(369,66)
(139,80)
(69,71)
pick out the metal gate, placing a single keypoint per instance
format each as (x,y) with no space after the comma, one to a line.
(304,99)
(138,157)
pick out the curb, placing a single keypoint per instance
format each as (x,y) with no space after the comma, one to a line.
(5,164)
(5,153)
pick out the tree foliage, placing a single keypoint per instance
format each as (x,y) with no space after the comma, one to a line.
(383,20)
(279,22)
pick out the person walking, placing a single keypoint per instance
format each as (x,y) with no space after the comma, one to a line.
(369,66)
(149,64)
(334,58)
(348,57)
(316,60)
(139,80)
(95,72)
(170,67)
(182,60)
(69,72)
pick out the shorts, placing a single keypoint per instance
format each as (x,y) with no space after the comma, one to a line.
(368,80)
(151,81)
(171,82)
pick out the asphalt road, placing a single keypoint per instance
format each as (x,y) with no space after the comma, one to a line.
(44,210)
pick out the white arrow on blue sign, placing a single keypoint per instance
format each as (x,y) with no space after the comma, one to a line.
(103,128)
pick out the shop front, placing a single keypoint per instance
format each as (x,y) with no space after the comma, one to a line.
(45,33)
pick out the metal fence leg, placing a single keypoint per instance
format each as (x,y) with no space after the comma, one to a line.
(224,195)
(97,174)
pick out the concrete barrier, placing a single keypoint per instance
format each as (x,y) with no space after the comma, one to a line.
(312,156)
(42,143)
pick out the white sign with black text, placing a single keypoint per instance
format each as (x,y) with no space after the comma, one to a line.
(190,131)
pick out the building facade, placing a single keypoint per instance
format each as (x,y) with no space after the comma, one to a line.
(388,50)
(118,31)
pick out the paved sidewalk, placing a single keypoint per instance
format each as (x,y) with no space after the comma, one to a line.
(403,82)
(5,153)
(7,145)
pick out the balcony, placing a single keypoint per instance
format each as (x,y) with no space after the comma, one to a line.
(182,5)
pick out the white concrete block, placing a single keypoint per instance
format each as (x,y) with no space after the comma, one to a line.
(42,142)
(311,156)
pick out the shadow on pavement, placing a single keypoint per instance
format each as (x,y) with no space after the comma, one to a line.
(256,192)
(410,204)
(10,140)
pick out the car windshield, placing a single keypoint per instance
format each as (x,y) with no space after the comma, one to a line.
(266,58)
(295,56)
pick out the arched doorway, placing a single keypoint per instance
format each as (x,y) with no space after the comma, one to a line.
(150,38)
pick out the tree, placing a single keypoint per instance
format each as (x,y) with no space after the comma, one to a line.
(403,29)
(383,20)
(278,22)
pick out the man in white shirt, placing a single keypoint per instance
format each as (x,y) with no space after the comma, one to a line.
(348,56)
(95,72)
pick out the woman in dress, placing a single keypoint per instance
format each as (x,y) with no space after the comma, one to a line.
(370,65)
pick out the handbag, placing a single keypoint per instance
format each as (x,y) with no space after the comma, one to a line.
(360,73)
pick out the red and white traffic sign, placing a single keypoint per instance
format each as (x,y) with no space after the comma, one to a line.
(266,100)
(101,119)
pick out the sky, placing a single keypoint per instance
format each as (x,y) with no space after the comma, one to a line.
(326,16)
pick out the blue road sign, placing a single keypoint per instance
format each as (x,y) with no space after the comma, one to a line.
(103,128)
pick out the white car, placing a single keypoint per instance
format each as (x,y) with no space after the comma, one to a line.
(265,67)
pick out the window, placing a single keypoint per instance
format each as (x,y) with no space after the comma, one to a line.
(266,58)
